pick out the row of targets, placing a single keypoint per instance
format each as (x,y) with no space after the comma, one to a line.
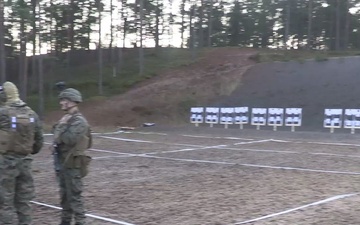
(214,115)
(338,118)
(240,115)
(236,115)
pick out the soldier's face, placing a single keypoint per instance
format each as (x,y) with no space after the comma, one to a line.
(66,104)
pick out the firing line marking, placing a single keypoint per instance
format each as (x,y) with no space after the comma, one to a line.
(230,138)
(298,208)
(88,215)
(147,155)
(251,165)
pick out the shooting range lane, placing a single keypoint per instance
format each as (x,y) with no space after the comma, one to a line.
(167,189)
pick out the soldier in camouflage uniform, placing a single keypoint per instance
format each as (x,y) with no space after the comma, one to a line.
(71,138)
(20,137)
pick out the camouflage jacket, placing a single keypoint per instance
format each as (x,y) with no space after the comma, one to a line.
(5,122)
(68,135)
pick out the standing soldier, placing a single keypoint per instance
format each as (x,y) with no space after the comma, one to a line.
(71,138)
(20,136)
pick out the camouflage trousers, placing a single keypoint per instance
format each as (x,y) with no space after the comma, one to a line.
(16,190)
(71,188)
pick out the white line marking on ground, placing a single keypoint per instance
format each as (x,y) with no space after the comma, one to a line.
(135,132)
(251,165)
(236,138)
(108,151)
(200,147)
(196,136)
(333,143)
(298,208)
(233,138)
(252,142)
(187,149)
(126,139)
(153,142)
(315,142)
(223,147)
(230,138)
(88,215)
(124,155)
(179,144)
(228,163)
(336,155)
(188,160)
(281,141)
(260,150)
(301,169)
(291,152)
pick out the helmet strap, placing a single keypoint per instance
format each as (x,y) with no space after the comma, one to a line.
(70,107)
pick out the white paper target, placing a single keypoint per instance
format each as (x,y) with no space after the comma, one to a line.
(258,116)
(212,115)
(197,115)
(275,116)
(352,118)
(241,115)
(227,115)
(333,118)
(293,117)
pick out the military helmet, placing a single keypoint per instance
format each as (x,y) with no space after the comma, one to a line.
(71,94)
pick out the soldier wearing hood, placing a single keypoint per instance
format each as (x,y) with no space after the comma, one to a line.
(20,137)
(72,137)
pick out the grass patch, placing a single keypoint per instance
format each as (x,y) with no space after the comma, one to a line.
(321,58)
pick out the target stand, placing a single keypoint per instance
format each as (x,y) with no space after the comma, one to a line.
(197,115)
(275,117)
(211,116)
(333,119)
(226,116)
(293,118)
(258,117)
(241,116)
(352,119)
